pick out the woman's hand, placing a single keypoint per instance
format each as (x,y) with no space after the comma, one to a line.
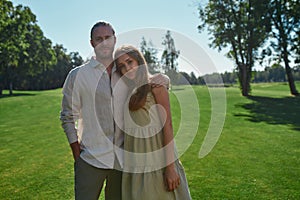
(171,177)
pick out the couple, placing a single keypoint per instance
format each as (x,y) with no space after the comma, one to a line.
(118,124)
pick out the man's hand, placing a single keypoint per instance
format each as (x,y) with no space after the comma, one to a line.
(75,150)
(158,80)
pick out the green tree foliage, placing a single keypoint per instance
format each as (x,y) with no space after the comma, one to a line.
(169,58)
(275,73)
(170,54)
(27,58)
(23,46)
(150,54)
(53,76)
(296,42)
(241,25)
(17,39)
(6,9)
(193,80)
(65,62)
(229,78)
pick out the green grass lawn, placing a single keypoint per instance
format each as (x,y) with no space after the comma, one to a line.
(256,157)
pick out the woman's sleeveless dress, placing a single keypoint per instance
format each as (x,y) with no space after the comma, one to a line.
(143,177)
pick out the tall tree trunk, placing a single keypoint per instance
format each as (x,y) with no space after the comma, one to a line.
(244,82)
(10,88)
(290,75)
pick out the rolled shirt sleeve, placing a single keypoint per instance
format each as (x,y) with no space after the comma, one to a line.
(70,107)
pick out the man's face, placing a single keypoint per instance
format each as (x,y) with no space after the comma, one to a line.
(103,41)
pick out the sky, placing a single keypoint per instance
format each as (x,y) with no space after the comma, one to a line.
(68,22)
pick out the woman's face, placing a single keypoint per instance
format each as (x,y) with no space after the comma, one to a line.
(127,66)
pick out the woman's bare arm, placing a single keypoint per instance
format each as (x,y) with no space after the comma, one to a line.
(171,176)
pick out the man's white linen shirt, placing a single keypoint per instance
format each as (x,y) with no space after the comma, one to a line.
(92,103)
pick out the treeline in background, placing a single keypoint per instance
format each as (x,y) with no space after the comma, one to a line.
(30,61)
(275,73)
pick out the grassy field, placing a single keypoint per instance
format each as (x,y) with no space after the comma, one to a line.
(256,157)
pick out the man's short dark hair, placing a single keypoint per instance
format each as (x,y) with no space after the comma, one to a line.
(101,23)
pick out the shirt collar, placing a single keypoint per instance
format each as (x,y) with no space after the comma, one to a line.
(95,63)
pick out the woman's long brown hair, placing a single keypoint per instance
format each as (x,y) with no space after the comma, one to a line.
(138,98)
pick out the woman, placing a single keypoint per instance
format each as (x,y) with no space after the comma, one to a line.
(151,170)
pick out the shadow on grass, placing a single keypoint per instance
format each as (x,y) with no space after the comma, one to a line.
(16,95)
(284,111)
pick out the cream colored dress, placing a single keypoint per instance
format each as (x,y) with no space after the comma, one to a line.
(144,161)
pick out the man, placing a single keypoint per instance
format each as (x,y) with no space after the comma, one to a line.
(91,106)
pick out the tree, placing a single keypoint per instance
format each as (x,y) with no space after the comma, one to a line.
(169,58)
(193,80)
(277,73)
(24,49)
(39,59)
(296,71)
(7,9)
(240,25)
(296,46)
(286,28)
(14,38)
(184,78)
(229,78)
(150,54)
(170,54)
(65,62)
